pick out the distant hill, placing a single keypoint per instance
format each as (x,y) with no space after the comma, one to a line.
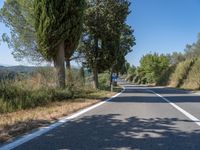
(17,69)
(10,72)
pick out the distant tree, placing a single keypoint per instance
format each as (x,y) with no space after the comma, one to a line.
(175,58)
(90,46)
(193,51)
(104,20)
(54,28)
(127,66)
(127,41)
(152,65)
(132,70)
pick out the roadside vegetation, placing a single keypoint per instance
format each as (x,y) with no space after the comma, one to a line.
(33,100)
(39,88)
(93,34)
(179,70)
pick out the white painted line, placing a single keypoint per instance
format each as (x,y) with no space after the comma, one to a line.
(44,130)
(196,93)
(190,116)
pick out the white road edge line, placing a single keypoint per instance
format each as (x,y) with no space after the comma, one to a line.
(191,117)
(44,130)
(196,93)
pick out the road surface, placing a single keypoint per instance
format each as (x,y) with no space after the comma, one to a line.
(138,119)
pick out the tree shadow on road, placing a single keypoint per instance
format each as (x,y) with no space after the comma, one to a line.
(146,96)
(109,132)
(115,131)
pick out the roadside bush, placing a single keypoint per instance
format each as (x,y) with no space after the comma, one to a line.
(164,78)
(193,80)
(139,77)
(39,88)
(130,77)
(181,73)
(14,98)
(36,89)
(104,79)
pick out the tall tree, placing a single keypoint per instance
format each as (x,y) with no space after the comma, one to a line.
(19,18)
(17,15)
(91,39)
(127,41)
(102,30)
(76,19)
(54,27)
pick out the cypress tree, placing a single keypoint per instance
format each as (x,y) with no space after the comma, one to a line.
(58,26)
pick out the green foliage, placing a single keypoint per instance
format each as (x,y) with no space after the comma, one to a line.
(58,26)
(14,98)
(127,66)
(193,51)
(106,39)
(57,21)
(17,15)
(164,78)
(181,73)
(37,89)
(185,74)
(132,70)
(176,58)
(193,78)
(151,66)
(126,42)
(131,73)
(104,79)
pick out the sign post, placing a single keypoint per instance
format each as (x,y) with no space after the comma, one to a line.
(114,80)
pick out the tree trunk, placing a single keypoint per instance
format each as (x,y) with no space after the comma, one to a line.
(111,72)
(95,78)
(95,68)
(59,64)
(82,75)
(68,64)
(69,72)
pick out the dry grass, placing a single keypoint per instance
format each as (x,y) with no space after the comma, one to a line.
(20,122)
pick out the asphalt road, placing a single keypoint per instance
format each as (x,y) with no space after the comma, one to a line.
(135,120)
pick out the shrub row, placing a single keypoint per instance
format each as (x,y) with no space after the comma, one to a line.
(14,98)
(181,73)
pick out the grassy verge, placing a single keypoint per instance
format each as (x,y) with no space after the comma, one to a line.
(19,122)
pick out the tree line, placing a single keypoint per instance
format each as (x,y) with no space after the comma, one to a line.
(95,31)
(159,69)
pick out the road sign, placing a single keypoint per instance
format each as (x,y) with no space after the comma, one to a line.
(114,77)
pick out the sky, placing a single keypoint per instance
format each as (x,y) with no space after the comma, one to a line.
(161,26)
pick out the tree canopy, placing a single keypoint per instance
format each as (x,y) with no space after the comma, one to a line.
(18,16)
(151,67)
(104,29)
(58,25)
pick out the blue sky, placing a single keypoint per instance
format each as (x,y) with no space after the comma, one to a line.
(161,26)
